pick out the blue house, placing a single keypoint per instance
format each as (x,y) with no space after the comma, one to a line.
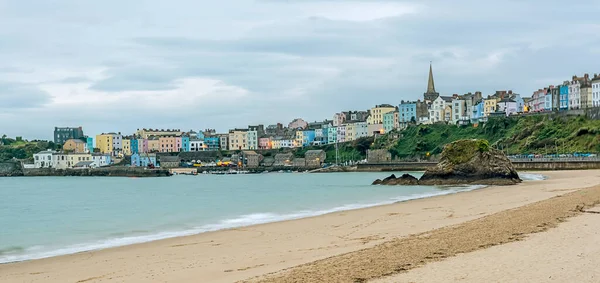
(564,97)
(135,148)
(185,144)
(477,112)
(308,137)
(89,143)
(212,143)
(143,160)
(407,112)
(200,135)
(388,121)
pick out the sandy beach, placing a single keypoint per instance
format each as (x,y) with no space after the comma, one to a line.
(451,236)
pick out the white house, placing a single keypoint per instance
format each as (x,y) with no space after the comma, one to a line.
(43,159)
(100,160)
(197,145)
(574,94)
(361,130)
(438,106)
(61,161)
(459,111)
(509,106)
(341,133)
(596,91)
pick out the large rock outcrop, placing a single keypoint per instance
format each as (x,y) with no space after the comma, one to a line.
(464,162)
(471,162)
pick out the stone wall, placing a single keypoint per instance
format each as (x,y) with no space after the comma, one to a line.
(8,169)
(109,172)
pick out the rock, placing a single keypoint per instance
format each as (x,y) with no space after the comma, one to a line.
(471,162)
(405,179)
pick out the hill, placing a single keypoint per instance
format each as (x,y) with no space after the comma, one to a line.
(540,134)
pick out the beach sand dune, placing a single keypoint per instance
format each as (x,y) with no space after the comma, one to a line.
(350,246)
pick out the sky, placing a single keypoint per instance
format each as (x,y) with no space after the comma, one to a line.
(118,65)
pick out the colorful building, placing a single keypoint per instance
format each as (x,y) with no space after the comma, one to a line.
(564,96)
(168,144)
(101,160)
(143,160)
(489,106)
(377,112)
(147,133)
(350,132)
(153,144)
(238,139)
(388,121)
(90,144)
(252,137)
(308,137)
(264,143)
(75,146)
(407,112)
(104,143)
(213,142)
(135,146)
(127,146)
(142,145)
(185,144)
(332,135)
(341,133)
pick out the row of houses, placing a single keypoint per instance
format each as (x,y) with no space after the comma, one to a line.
(345,126)
(64,160)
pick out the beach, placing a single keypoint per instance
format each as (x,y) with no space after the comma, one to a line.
(336,246)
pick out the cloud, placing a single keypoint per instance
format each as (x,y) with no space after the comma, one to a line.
(114,65)
(18,96)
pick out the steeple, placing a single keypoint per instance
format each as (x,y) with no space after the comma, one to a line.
(430,84)
(431,94)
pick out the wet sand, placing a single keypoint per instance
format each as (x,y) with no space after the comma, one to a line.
(351,246)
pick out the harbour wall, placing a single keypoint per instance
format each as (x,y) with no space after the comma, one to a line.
(99,172)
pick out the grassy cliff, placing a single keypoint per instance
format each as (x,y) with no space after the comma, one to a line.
(522,135)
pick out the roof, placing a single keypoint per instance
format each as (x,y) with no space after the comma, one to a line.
(447,98)
(83,163)
(250,152)
(48,151)
(167,158)
(76,140)
(507,100)
(314,151)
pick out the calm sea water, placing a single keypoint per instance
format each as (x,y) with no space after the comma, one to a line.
(49,216)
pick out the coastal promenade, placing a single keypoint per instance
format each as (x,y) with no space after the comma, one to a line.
(365,245)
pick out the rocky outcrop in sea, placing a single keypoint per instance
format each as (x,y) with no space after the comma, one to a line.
(464,162)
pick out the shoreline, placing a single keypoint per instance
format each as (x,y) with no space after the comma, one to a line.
(241,253)
(291,216)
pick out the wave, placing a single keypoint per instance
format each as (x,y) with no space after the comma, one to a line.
(14,254)
(532,177)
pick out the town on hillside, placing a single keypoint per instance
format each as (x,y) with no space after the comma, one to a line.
(155,147)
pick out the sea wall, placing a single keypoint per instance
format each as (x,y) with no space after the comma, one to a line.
(396,166)
(100,172)
(519,165)
(556,165)
(9,168)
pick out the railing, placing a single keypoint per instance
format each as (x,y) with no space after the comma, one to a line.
(556,159)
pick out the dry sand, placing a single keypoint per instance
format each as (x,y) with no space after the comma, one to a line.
(335,241)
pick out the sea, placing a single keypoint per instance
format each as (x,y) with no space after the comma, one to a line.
(49,216)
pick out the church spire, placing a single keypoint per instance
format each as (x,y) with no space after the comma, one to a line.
(430,84)
(431,94)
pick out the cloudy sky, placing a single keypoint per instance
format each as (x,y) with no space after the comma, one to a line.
(119,65)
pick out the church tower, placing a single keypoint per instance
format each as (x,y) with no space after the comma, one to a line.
(431,94)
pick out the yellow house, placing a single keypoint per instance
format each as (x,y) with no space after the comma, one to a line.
(299,139)
(153,145)
(350,132)
(489,106)
(238,139)
(127,146)
(75,158)
(104,142)
(75,146)
(376,115)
